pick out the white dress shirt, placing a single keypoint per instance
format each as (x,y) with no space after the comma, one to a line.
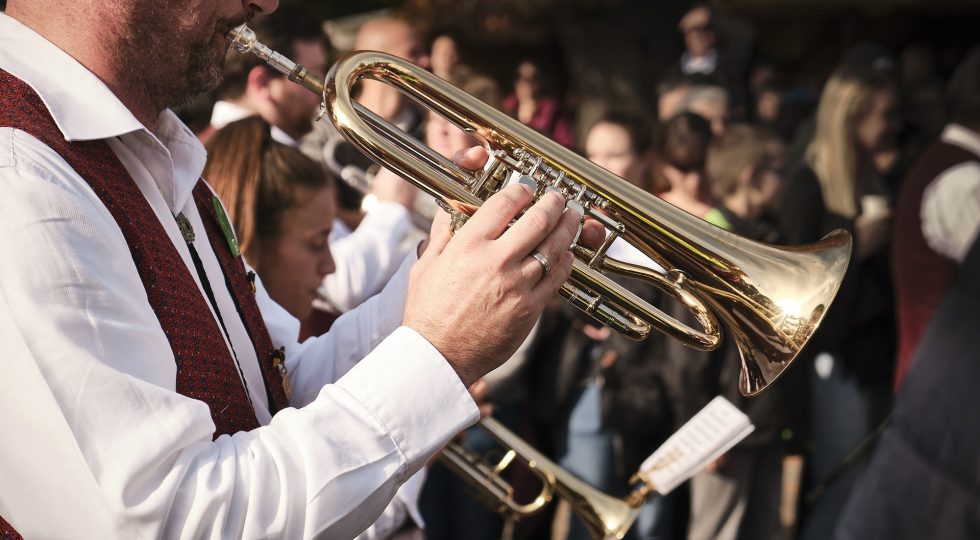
(366,258)
(97,442)
(950,211)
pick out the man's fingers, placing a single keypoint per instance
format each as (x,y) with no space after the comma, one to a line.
(495,215)
(556,243)
(535,225)
(439,234)
(560,260)
(473,158)
(547,287)
(534,270)
(593,233)
(479,390)
(486,409)
(551,250)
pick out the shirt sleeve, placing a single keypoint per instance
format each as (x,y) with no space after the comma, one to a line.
(402,508)
(950,211)
(367,257)
(324,359)
(104,446)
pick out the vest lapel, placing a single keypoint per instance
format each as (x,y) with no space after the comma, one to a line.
(241,285)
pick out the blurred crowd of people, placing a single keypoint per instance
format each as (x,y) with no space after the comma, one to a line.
(890,151)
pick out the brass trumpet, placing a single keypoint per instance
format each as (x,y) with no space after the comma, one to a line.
(606,517)
(490,487)
(770,299)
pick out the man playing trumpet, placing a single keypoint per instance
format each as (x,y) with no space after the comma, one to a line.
(145,395)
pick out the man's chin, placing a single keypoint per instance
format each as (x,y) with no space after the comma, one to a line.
(210,71)
(198,82)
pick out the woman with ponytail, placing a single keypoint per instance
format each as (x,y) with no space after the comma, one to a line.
(282,205)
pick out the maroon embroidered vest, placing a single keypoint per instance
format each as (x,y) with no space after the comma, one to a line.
(922,276)
(206,369)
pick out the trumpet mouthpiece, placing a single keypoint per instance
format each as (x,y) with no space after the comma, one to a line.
(242,38)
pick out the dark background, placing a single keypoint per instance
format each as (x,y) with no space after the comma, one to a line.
(603,51)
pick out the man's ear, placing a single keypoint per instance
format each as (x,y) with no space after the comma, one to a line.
(258,80)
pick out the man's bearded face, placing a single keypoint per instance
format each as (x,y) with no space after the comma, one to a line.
(176,49)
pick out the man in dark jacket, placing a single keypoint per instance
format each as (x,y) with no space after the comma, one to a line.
(923,480)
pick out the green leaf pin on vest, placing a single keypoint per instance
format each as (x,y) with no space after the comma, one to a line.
(225,225)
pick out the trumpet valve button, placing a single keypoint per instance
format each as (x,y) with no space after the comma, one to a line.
(575,206)
(529,182)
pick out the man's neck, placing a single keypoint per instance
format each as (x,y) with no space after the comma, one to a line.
(707,54)
(95,54)
(138,102)
(255,104)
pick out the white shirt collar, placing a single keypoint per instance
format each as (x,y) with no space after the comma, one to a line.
(966,139)
(226,112)
(84,108)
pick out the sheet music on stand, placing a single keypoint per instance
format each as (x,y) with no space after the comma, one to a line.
(709,434)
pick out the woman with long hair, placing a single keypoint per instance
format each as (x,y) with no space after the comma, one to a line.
(282,205)
(853,353)
(855,117)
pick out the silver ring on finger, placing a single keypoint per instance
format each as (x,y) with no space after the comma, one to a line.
(543,261)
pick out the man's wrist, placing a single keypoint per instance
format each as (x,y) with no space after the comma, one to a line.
(466,374)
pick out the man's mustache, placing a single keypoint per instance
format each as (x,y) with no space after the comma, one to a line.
(227,24)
